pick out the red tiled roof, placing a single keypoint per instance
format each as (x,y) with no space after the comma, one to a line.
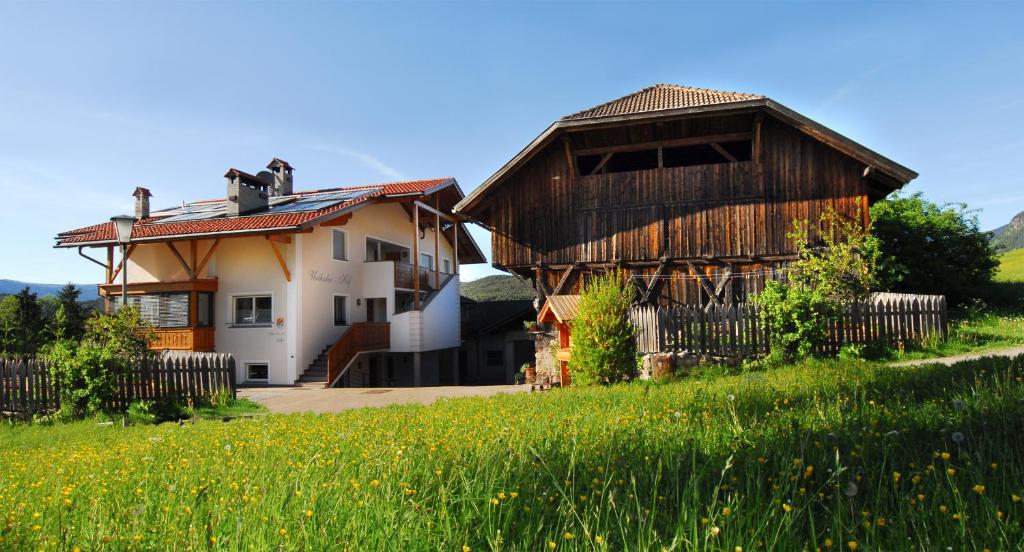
(661,97)
(152,228)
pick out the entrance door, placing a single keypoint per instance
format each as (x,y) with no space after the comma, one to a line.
(377,309)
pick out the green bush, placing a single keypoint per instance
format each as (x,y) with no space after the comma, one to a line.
(85,372)
(836,267)
(603,350)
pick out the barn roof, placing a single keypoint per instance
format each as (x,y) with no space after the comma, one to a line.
(659,98)
(669,100)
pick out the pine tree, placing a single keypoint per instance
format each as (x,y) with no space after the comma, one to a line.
(29,319)
(72,324)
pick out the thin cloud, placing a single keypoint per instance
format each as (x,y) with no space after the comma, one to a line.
(852,85)
(364,158)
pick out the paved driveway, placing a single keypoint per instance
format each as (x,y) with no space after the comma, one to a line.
(318,399)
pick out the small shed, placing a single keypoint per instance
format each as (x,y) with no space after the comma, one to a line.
(559,311)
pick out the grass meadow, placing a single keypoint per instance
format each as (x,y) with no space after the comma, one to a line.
(1011,266)
(826,455)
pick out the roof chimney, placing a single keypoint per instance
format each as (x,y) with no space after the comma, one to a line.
(282,177)
(246,193)
(142,196)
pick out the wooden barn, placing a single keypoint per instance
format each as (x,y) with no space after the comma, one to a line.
(690,191)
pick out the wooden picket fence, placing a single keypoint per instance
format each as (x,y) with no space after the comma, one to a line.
(737,331)
(26,387)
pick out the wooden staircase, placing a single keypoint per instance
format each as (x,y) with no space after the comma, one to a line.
(361,337)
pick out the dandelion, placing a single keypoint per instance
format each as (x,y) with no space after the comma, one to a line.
(715,531)
(980,489)
(568,536)
(466,548)
(552,545)
(1015,498)
(896,477)
(945,455)
(598,539)
(959,404)
(727,511)
(951,471)
(309,513)
(852,545)
(787,507)
(851,489)
(957,437)
(828,543)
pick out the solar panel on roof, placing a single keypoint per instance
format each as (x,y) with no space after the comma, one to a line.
(319,201)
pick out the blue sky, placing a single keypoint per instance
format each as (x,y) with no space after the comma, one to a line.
(96,99)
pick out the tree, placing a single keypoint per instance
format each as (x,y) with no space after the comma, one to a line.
(603,350)
(69,319)
(931,248)
(22,324)
(836,267)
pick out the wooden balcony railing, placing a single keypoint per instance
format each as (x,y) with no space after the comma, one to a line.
(361,337)
(404,276)
(183,339)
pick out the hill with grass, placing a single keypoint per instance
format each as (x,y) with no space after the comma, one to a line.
(496,288)
(1011,266)
(1010,236)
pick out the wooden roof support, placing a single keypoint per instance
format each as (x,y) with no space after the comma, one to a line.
(280,260)
(679,142)
(127,255)
(181,260)
(207,257)
(415,256)
(655,282)
(193,249)
(570,159)
(608,156)
(110,263)
(728,156)
(562,281)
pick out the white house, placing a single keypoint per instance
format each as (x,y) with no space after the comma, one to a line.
(353,286)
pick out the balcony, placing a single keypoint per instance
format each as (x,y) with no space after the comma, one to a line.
(183,339)
(404,276)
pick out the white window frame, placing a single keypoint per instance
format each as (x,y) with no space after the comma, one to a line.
(446,265)
(247,364)
(429,256)
(335,232)
(369,237)
(239,295)
(348,310)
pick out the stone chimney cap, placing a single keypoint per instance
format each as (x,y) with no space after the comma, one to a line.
(244,176)
(142,192)
(275,162)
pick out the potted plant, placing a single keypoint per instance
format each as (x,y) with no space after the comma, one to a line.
(529,371)
(531,326)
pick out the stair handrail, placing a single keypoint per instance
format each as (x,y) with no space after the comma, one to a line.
(358,338)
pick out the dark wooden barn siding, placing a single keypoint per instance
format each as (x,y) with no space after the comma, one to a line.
(715,214)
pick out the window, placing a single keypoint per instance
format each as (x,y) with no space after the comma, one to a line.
(204,310)
(340,246)
(495,358)
(162,310)
(340,310)
(447,266)
(669,156)
(252,310)
(426,261)
(257,371)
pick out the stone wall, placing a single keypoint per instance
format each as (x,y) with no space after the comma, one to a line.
(547,364)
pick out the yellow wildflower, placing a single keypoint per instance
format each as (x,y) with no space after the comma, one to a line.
(980,489)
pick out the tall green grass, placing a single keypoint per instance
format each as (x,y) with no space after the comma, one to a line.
(825,455)
(1011,266)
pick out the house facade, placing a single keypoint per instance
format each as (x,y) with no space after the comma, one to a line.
(690,192)
(353,286)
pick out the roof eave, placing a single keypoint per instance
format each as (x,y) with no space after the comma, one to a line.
(805,124)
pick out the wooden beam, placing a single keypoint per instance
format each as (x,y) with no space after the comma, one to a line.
(678,142)
(604,161)
(455,246)
(430,209)
(728,156)
(280,260)
(570,159)
(702,279)
(127,255)
(340,221)
(437,243)
(110,263)
(416,256)
(541,284)
(206,258)
(280,238)
(193,250)
(199,284)
(655,282)
(561,281)
(177,255)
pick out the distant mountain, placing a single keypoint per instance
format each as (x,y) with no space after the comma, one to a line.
(1010,236)
(10,287)
(496,288)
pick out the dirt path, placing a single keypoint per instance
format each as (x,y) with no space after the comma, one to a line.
(1008,352)
(318,399)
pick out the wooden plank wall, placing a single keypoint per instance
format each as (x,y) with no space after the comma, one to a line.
(545,214)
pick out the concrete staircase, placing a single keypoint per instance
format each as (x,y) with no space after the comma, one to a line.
(316,373)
